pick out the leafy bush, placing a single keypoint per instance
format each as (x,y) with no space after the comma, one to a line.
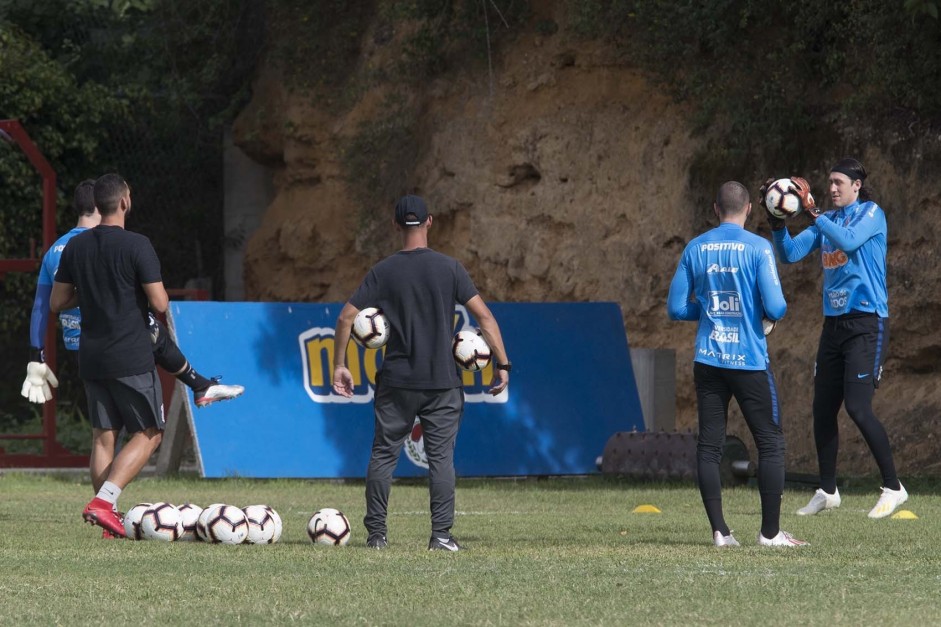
(779,78)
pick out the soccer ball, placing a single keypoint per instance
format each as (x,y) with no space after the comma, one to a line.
(226,524)
(189,516)
(162,521)
(470,350)
(371,328)
(132,520)
(263,524)
(782,200)
(329,526)
(201,533)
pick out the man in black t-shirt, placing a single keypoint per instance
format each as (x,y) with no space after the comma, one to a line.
(417,289)
(114,276)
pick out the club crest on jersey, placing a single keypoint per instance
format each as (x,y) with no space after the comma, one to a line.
(725,304)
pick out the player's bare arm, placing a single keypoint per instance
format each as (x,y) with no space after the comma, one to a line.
(63,297)
(156,296)
(491,332)
(342,378)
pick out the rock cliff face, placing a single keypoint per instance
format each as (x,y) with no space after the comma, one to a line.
(564,176)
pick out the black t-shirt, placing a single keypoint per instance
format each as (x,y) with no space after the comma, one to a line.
(417,290)
(107,265)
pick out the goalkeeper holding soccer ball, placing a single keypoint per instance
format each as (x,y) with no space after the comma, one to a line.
(852,242)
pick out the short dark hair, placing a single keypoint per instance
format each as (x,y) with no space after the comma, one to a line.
(732,198)
(109,190)
(84,198)
(856,172)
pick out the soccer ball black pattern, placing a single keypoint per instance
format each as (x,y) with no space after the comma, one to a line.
(329,526)
(781,199)
(470,350)
(227,524)
(370,328)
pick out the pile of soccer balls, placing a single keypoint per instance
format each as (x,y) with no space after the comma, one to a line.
(227,524)
(219,523)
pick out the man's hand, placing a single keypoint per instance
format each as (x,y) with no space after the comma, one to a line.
(343,381)
(807,200)
(38,379)
(501,378)
(776,223)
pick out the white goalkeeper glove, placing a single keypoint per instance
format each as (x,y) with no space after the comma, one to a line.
(38,379)
(767,325)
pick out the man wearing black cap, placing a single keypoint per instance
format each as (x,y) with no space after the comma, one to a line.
(417,289)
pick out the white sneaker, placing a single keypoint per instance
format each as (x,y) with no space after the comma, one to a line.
(888,502)
(216,392)
(782,539)
(819,502)
(720,540)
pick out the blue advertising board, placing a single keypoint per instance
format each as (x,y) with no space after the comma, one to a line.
(571,388)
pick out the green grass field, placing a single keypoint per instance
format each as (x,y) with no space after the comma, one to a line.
(553,552)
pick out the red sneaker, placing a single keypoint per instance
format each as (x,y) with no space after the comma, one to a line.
(107,535)
(100,512)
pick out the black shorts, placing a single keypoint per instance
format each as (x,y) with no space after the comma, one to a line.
(134,403)
(852,350)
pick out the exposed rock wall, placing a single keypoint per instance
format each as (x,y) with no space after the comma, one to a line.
(570,182)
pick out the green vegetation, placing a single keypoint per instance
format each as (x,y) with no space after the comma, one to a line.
(783,83)
(557,552)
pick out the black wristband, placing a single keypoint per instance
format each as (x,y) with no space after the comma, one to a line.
(37,354)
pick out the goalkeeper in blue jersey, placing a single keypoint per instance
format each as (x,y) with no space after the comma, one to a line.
(728,283)
(40,378)
(853,343)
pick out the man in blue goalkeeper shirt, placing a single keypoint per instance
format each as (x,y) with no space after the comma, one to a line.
(727,282)
(39,377)
(855,336)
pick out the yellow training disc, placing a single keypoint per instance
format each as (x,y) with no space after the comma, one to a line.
(647,509)
(904,514)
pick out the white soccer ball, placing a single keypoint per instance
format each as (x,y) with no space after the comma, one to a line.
(132,520)
(162,521)
(201,533)
(189,516)
(371,328)
(470,350)
(263,524)
(329,526)
(782,200)
(226,524)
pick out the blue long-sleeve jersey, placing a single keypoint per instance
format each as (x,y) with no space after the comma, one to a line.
(71,319)
(852,243)
(727,280)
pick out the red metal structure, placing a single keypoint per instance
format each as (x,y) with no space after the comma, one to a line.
(54,455)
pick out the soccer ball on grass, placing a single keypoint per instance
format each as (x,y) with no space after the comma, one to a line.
(226,524)
(162,521)
(132,520)
(329,526)
(264,524)
(189,516)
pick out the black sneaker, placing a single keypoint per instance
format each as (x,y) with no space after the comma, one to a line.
(377,541)
(443,544)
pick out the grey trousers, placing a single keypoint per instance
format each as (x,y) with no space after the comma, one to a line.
(440,414)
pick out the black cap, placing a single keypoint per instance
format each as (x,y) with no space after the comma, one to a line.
(411,205)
